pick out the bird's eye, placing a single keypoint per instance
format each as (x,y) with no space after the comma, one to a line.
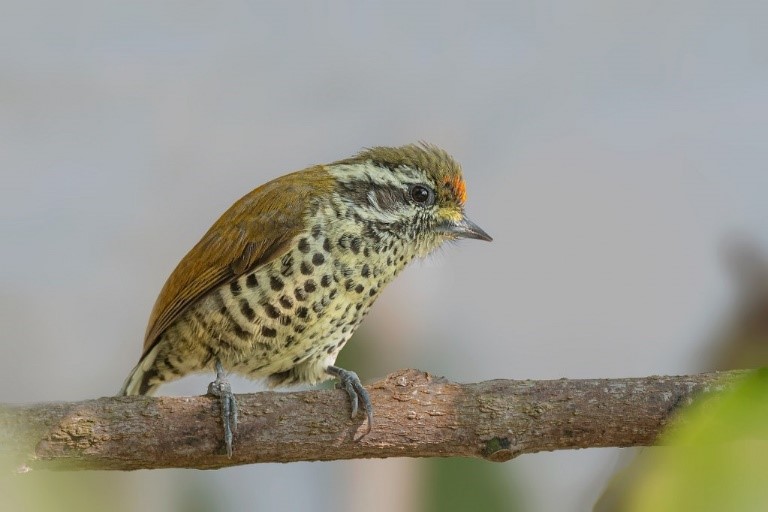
(422,195)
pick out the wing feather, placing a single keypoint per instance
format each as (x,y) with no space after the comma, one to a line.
(252,232)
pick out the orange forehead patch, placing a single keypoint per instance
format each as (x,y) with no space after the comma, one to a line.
(457,186)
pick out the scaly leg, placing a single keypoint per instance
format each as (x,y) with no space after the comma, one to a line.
(357,393)
(221,388)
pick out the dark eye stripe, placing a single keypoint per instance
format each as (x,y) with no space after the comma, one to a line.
(388,197)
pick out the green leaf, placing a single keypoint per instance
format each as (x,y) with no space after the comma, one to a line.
(714,458)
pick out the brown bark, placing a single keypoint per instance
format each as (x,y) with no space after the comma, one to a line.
(416,415)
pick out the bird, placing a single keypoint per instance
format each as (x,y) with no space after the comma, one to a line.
(279,283)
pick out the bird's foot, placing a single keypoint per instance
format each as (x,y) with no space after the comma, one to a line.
(221,389)
(349,381)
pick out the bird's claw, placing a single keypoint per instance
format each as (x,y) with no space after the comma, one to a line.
(349,381)
(221,388)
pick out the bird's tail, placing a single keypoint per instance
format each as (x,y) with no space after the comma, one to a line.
(142,379)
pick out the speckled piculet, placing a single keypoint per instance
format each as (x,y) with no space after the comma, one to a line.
(280,282)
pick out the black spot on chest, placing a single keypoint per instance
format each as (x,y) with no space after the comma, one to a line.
(276,283)
(271,310)
(345,241)
(300,294)
(247,311)
(286,267)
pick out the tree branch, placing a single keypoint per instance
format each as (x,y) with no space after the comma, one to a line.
(416,415)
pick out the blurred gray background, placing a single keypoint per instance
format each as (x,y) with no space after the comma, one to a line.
(608,147)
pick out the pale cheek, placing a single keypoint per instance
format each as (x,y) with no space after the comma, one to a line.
(430,244)
(449,214)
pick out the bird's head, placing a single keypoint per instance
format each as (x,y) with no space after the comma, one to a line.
(415,193)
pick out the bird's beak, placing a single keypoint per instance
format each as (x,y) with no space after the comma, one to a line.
(463,228)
